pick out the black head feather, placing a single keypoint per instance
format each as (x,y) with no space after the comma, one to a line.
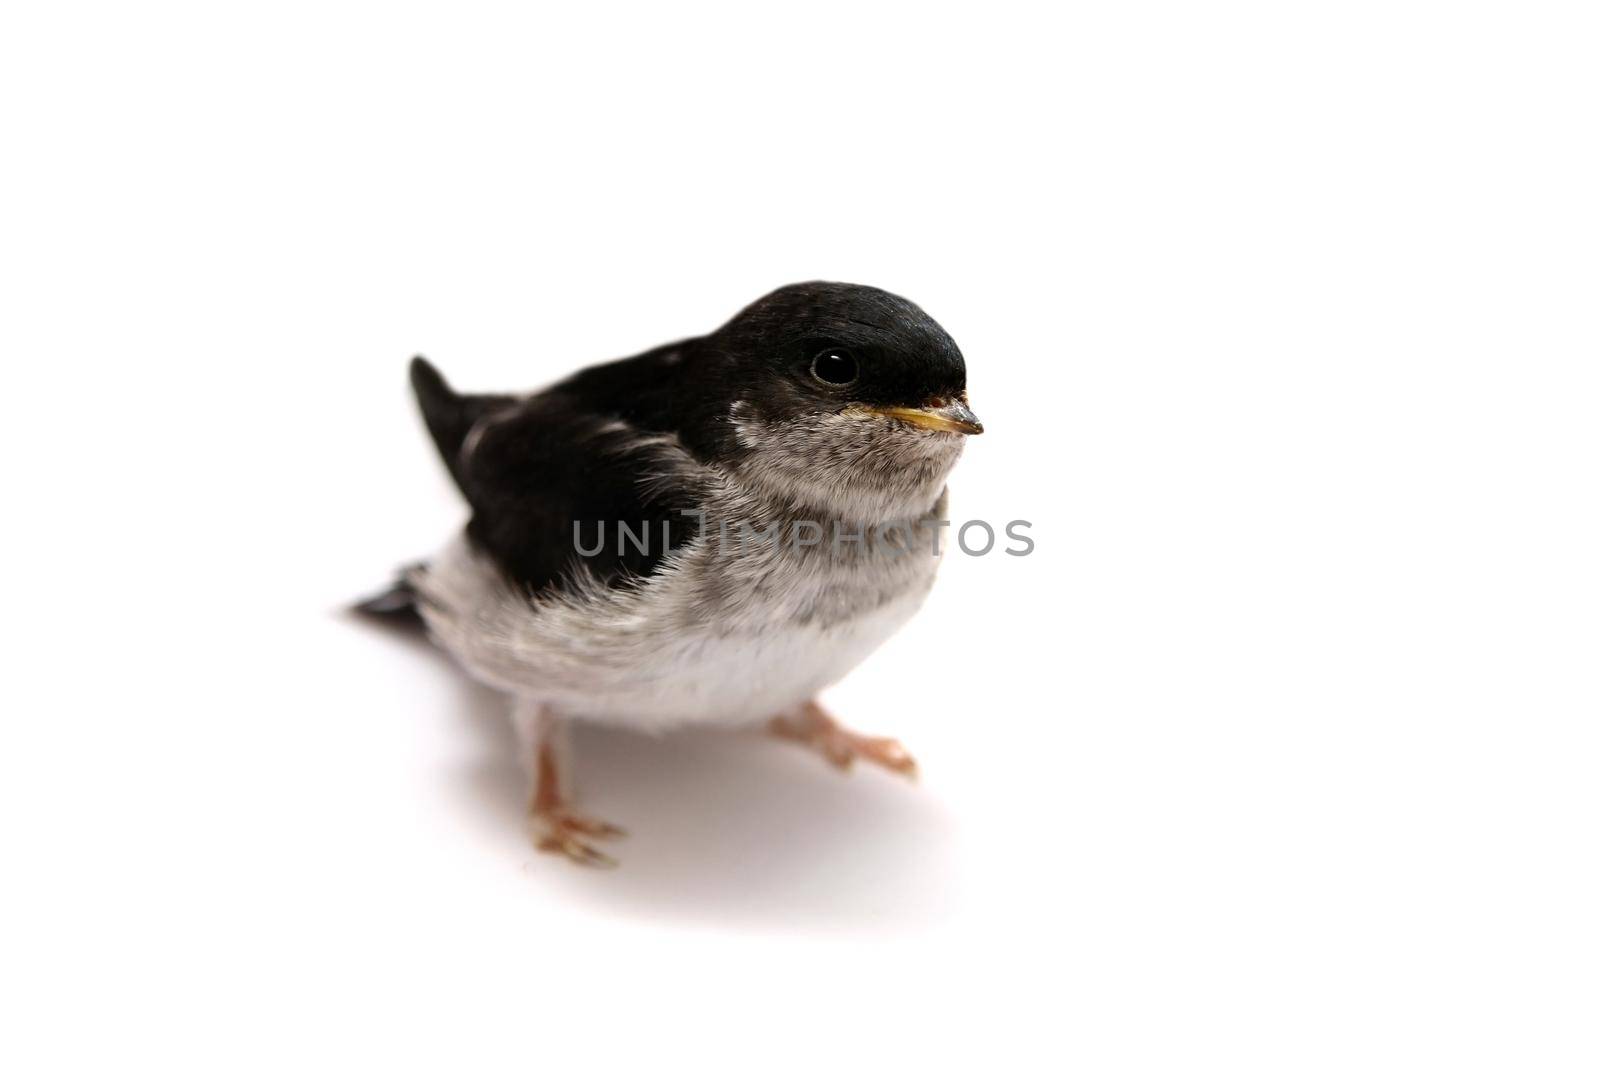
(874,348)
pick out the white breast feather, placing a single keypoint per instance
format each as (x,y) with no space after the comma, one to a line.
(722,639)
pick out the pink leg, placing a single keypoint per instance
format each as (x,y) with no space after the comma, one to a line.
(557,826)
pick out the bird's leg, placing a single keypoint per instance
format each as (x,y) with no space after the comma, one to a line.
(557,826)
(815,727)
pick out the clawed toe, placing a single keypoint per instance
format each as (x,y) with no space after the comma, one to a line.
(582,824)
(841,747)
(561,830)
(888,753)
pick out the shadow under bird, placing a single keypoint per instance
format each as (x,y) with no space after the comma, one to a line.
(711,532)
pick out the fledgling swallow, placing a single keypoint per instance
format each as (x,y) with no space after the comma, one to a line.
(708,533)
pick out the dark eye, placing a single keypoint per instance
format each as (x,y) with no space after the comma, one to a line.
(835,366)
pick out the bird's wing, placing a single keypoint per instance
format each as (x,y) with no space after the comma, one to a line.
(449,415)
(562,469)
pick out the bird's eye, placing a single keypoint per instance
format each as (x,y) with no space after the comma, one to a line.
(835,366)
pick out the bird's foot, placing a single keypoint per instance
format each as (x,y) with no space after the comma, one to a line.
(561,829)
(840,746)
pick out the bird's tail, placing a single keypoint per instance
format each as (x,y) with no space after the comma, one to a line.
(397,603)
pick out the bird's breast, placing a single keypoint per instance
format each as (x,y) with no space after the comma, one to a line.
(726,632)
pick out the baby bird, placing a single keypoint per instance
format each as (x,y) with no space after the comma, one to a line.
(708,533)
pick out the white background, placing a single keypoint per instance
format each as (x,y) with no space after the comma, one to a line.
(1281,749)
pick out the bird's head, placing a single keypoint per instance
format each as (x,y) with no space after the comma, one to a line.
(845,398)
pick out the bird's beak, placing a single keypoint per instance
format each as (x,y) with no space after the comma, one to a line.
(951,417)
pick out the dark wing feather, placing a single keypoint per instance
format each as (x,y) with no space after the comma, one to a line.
(566,465)
(448,414)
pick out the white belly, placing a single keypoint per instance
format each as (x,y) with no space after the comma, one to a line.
(680,649)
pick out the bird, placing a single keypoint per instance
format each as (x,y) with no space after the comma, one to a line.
(708,533)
